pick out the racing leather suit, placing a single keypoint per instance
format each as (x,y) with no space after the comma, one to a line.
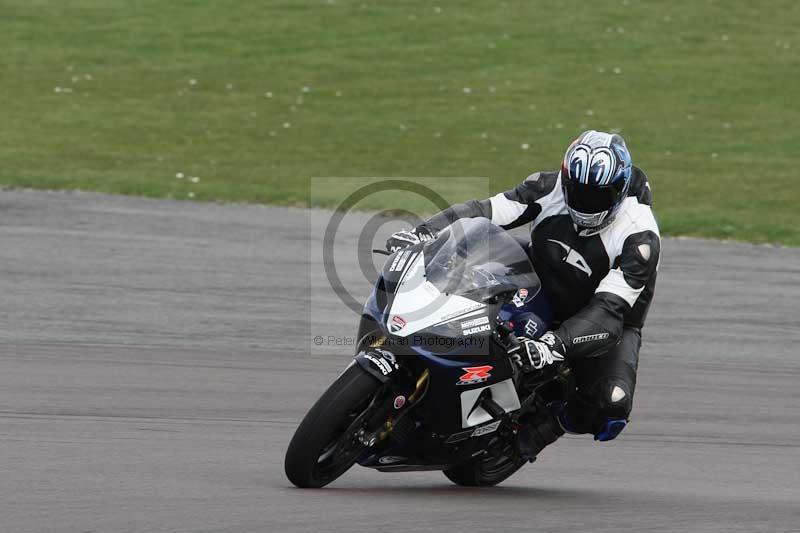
(599,283)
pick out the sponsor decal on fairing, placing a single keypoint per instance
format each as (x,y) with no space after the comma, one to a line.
(386,354)
(476,325)
(396,323)
(400,261)
(485,430)
(475,322)
(464,311)
(382,364)
(477,329)
(520,297)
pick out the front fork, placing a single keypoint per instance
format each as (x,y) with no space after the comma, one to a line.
(394,412)
(403,392)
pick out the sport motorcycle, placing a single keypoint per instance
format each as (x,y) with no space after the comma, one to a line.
(431,386)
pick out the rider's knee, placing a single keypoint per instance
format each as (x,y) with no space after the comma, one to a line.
(602,411)
(614,400)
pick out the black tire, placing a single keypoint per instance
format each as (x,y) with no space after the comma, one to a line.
(323,427)
(484,471)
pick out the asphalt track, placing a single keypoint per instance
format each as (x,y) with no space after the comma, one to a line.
(156,358)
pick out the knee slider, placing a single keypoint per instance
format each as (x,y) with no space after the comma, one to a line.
(614,398)
(615,401)
(603,410)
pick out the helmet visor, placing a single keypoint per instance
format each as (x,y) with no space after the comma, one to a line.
(593,198)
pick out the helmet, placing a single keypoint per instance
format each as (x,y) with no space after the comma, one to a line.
(595,177)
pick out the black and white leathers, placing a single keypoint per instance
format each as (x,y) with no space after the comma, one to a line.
(597,282)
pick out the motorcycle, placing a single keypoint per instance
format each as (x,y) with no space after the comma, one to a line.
(431,386)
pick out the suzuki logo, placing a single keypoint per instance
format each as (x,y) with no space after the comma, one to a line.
(475,374)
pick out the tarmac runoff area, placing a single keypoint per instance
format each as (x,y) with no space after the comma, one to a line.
(158,355)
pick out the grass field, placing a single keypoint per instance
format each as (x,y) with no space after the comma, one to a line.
(256,98)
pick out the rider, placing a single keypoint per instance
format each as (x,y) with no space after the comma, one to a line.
(595,245)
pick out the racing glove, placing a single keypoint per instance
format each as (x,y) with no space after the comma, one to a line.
(405,238)
(533,355)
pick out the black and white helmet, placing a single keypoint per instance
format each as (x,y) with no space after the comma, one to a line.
(595,176)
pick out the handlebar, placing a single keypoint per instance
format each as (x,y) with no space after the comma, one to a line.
(505,333)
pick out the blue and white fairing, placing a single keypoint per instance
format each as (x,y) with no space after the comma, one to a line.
(448,287)
(439,302)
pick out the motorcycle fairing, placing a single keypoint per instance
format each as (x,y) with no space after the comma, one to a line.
(503,393)
(381,364)
(418,304)
(428,276)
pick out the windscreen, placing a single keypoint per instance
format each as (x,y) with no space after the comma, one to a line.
(476,259)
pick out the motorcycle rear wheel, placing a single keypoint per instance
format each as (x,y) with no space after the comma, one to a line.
(325,445)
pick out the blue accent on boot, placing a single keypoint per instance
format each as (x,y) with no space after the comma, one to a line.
(611,429)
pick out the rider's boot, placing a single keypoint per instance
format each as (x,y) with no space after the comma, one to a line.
(536,432)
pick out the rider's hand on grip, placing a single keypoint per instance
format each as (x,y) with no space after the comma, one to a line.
(405,238)
(533,355)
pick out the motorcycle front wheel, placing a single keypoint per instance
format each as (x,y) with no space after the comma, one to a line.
(325,444)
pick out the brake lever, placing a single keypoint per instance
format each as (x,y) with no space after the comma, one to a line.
(505,335)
